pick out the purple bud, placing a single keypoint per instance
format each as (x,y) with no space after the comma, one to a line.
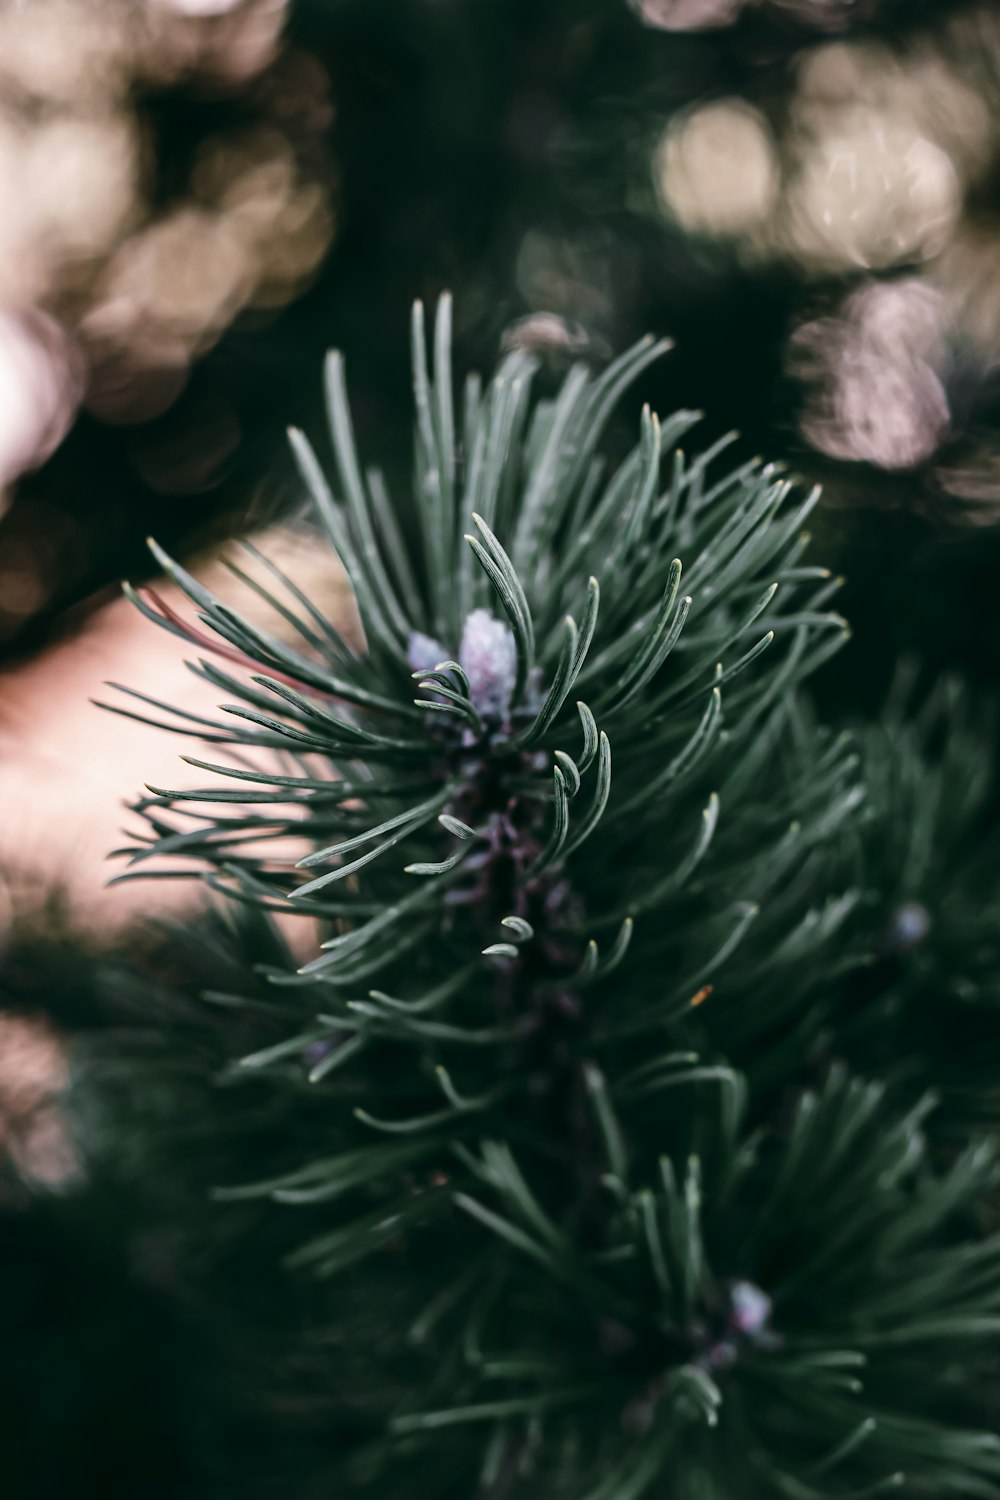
(424,653)
(488,656)
(750,1308)
(909,926)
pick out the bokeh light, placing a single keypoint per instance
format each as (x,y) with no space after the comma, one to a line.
(687,15)
(874,395)
(40,383)
(110,286)
(868,169)
(129,246)
(869,192)
(826,15)
(33,1073)
(711,15)
(900,374)
(717,169)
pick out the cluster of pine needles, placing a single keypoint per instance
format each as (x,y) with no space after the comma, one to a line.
(629,1125)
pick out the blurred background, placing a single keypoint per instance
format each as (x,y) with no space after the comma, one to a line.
(199,197)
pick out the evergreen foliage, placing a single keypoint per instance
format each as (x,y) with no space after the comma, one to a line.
(559,1117)
(923,1014)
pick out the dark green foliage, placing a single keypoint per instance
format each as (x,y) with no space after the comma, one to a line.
(924,1014)
(551,1117)
(114,1379)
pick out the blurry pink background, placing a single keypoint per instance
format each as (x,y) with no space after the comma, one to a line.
(68,768)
